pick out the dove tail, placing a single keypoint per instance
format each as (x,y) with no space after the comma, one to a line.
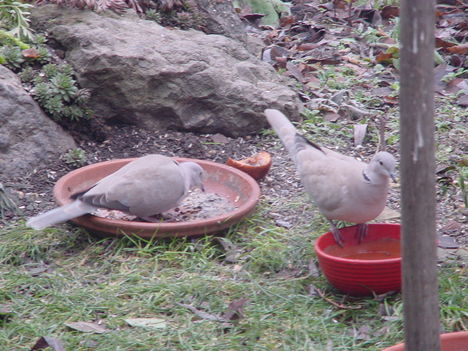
(58,215)
(283,127)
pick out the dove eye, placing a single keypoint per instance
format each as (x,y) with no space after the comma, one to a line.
(381,163)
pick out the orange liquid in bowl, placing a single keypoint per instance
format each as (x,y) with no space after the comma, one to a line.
(380,249)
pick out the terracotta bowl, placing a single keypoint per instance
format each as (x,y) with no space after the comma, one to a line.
(457,341)
(356,274)
(237,187)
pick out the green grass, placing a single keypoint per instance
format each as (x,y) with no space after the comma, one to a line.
(56,276)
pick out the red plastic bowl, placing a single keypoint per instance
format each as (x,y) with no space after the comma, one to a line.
(457,341)
(358,277)
(236,186)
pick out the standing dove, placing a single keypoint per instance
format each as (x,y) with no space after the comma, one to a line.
(342,187)
(144,187)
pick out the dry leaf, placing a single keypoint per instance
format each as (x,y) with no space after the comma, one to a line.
(30,53)
(219,138)
(87,327)
(235,310)
(148,323)
(459,49)
(389,11)
(447,242)
(203,314)
(359,133)
(47,341)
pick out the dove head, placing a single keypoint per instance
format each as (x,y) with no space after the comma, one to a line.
(194,175)
(383,165)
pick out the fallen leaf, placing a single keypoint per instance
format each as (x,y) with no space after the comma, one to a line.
(359,133)
(459,49)
(331,116)
(391,100)
(273,53)
(463,101)
(87,327)
(235,310)
(203,314)
(441,43)
(30,53)
(384,57)
(447,242)
(308,46)
(283,223)
(147,323)
(389,11)
(219,138)
(382,91)
(286,21)
(294,71)
(47,341)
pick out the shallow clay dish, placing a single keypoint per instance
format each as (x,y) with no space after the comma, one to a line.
(361,277)
(457,341)
(240,189)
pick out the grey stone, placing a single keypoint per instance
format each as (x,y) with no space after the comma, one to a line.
(158,78)
(28,138)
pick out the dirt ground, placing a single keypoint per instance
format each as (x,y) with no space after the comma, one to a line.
(33,191)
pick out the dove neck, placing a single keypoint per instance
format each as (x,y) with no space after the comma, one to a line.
(372,176)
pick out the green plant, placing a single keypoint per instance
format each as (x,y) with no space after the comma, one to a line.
(98,5)
(27,75)
(64,86)
(75,157)
(8,39)
(12,56)
(50,70)
(58,94)
(153,15)
(175,13)
(6,202)
(43,55)
(14,17)
(452,75)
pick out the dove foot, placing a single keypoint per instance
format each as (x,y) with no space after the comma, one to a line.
(336,234)
(361,231)
(152,219)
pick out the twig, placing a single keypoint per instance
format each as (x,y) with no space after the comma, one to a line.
(382,122)
(316,291)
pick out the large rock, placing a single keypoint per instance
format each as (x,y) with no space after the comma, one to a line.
(160,78)
(27,136)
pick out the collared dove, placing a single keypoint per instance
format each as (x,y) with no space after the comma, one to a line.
(342,187)
(144,187)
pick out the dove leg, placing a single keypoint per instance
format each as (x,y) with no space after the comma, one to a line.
(336,233)
(361,231)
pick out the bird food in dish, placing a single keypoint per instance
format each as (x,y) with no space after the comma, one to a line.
(197,205)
